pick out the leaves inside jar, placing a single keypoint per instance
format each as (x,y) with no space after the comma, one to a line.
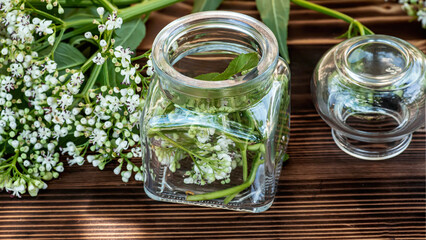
(238,65)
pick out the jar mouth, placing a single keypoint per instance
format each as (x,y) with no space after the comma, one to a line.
(171,45)
(375,61)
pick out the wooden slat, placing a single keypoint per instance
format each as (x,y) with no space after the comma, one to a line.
(322,194)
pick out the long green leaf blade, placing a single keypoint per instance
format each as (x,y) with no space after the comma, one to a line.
(206,5)
(275,14)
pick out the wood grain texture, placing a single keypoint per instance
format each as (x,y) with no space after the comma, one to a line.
(323,193)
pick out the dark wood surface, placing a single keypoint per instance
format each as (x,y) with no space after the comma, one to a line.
(323,193)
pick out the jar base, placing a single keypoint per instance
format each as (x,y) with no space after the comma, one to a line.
(212,204)
(370,151)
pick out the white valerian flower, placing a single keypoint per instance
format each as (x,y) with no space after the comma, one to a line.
(137,152)
(121,145)
(98,137)
(47,161)
(79,160)
(65,101)
(17,190)
(124,54)
(50,66)
(127,73)
(77,78)
(113,22)
(43,27)
(98,59)
(421,15)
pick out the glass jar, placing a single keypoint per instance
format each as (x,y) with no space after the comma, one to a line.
(215,143)
(371,91)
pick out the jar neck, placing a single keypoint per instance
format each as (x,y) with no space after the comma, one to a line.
(214,33)
(379,62)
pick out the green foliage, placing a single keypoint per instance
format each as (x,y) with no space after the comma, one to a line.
(67,56)
(239,64)
(275,14)
(130,34)
(206,5)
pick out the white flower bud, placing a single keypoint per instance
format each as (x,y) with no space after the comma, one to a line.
(50,146)
(51,40)
(59,168)
(100,11)
(117,170)
(127,174)
(4,51)
(80,128)
(129,167)
(38,146)
(107,124)
(27,163)
(15,144)
(136,137)
(88,110)
(88,35)
(103,43)
(91,122)
(138,176)
(96,163)
(90,158)
(75,111)
(20,57)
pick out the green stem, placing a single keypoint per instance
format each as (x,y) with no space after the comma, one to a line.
(144,7)
(229,191)
(108,5)
(91,81)
(57,41)
(44,14)
(82,23)
(333,13)
(244,158)
(179,146)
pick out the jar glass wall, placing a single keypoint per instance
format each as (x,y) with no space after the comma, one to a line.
(215,143)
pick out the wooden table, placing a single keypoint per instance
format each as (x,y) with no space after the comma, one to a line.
(323,193)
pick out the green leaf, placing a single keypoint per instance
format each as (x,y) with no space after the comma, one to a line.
(131,34)
(239,64)
(67,56)
(207,76)
(108,76)
(206,5)
(275,14)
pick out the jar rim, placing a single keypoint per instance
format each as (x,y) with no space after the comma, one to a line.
(405,49)
(239,22)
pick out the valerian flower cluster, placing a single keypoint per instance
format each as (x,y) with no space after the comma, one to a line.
(34,114)
(416,9)
(41,106)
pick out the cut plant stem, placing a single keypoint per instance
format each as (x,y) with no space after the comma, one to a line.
(230,191)
(333,13)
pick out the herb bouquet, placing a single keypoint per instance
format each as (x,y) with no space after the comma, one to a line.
(69,86)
